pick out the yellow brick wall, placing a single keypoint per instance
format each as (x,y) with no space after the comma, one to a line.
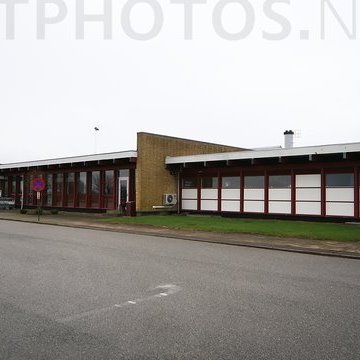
(152,178)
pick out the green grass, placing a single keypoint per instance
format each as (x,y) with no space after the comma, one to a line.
(279,228)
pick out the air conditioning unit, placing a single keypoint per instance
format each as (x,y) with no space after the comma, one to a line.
(170,199)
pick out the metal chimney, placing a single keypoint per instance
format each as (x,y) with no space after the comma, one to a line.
(289,139)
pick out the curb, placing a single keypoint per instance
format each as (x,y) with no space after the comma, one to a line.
(229,242)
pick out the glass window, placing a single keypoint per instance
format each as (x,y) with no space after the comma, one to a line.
(95,189)
(3,186)
(58,189)
(30,195)
(189,183)
(340,180)
(12,182)
(279,181)
(209,183)
(231,182)
(82,189)
(95,182)
(124,173)
(48,189)
(82,183)
(254,182)
(109,183)
(70,188)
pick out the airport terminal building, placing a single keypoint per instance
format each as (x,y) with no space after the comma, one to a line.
(173,174)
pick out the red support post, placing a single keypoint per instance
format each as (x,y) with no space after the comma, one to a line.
(242,192)
(293,193)
(356,191)
(198,193)
(266,194)
(219,191)
(323,193)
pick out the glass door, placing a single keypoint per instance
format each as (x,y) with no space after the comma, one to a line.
(123,196)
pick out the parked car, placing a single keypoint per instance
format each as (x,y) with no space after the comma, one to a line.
(7,203)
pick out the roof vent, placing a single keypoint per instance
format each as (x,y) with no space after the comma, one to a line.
(289,139)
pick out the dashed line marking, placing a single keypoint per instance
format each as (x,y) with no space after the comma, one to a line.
(170,289)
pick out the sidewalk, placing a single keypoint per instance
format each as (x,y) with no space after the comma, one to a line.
(93,221)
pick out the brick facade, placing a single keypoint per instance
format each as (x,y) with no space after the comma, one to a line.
(152,178)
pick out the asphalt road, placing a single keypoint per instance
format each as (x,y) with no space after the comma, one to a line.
(81,294)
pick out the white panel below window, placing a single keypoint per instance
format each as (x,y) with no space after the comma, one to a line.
(230,194)
(230,206)
(339,209)
(280,194)
(308,208)
(254,194)
(209,194)
(340,194)
(209,205)
(279,207)
(310,180)
(189,205)
(254,206)
(189,193)
(308,194)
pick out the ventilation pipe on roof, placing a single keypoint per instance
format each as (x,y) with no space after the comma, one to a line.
(289,139)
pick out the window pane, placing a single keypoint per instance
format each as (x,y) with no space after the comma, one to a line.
(12,181)
(48,190)
(58,189)
(231,182)
(209,183)
(70,188)
(254,182)
(82,189)
(109,183)
(190,183)
(3,186)
(30,191)
(124,173)
(95,189)
(279,181)
(340,180)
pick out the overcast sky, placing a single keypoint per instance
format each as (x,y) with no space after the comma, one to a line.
(245,93)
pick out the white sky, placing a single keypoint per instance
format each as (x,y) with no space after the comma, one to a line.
(243,93)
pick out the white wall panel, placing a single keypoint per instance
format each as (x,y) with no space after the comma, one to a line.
(254,206)
(254,194)
(189,193)
(230,194)
(311,180)
(280,194)
(209,194)
(308,208)
(340,194)
(189,205)
(308,194)
(230,206)
(209,205)
(279,207)
(339,209)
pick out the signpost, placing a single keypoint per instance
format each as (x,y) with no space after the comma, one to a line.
(38,185)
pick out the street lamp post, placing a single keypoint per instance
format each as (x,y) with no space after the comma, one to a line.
(95,139)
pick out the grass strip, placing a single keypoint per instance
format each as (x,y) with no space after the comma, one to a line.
(278,228)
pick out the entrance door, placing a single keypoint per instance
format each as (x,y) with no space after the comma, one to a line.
(123,192)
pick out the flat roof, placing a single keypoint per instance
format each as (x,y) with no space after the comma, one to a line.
(71,160)
(263,154)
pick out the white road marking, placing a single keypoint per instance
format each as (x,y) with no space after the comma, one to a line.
(170,289)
